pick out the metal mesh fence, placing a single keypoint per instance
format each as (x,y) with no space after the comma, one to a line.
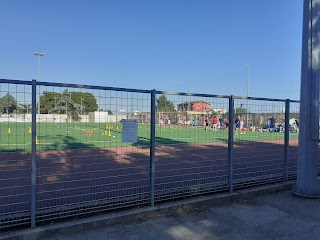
(15,156)
(191,158)
(258,142)
(82,164)
(293,136)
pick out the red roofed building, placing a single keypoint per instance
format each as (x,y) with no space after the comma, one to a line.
(197,106)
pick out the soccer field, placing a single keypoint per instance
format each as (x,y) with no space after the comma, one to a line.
(62,136)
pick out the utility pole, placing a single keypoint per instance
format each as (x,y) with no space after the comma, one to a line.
(307,167)
(38,54)
(248,79)
(81,105)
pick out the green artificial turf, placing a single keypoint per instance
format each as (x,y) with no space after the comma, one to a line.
(62,136)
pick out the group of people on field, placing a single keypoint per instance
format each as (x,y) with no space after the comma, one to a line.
(216,123)
(272,125)
(220,123)
(161,122)
(181,123)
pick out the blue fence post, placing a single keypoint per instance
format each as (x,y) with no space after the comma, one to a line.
(286,140)
(34,156)
(230,142)
(152,144)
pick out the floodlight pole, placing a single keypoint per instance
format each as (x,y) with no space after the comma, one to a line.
(38,54)
(307,171)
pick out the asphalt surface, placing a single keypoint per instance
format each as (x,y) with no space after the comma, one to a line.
(86,175)
(274,216)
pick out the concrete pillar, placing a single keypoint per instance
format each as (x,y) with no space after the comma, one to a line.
(307,173)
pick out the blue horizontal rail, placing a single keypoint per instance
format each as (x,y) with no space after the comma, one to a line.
(192,94)
(13,81)
(91,87)
(70,85)
(262,99)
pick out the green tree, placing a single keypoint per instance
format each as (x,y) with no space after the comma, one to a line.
(241,111)
(48,101)
(109,112)
(65,105)
(106,110)
(164,105)
(8,104)
(25,108)
(86,100)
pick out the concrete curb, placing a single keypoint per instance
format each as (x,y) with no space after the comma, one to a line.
(142,214)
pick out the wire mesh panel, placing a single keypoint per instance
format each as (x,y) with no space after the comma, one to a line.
(15,155)
(319,148)
(94,152)
(83,164)
(293,138)
(258,142)
(191,156)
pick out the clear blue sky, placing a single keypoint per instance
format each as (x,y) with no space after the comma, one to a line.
(174,45)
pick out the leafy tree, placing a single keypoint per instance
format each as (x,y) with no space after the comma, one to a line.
(48,101)
(65,105)
(8,104)
(25,108)
(109,111)
(86,100)
(241,111)
(164,105)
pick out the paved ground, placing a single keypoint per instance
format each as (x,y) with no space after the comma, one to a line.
(87,175)
(274,216)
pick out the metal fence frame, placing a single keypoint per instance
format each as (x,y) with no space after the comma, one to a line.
(153,93)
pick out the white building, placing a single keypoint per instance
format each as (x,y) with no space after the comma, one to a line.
(98,117)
